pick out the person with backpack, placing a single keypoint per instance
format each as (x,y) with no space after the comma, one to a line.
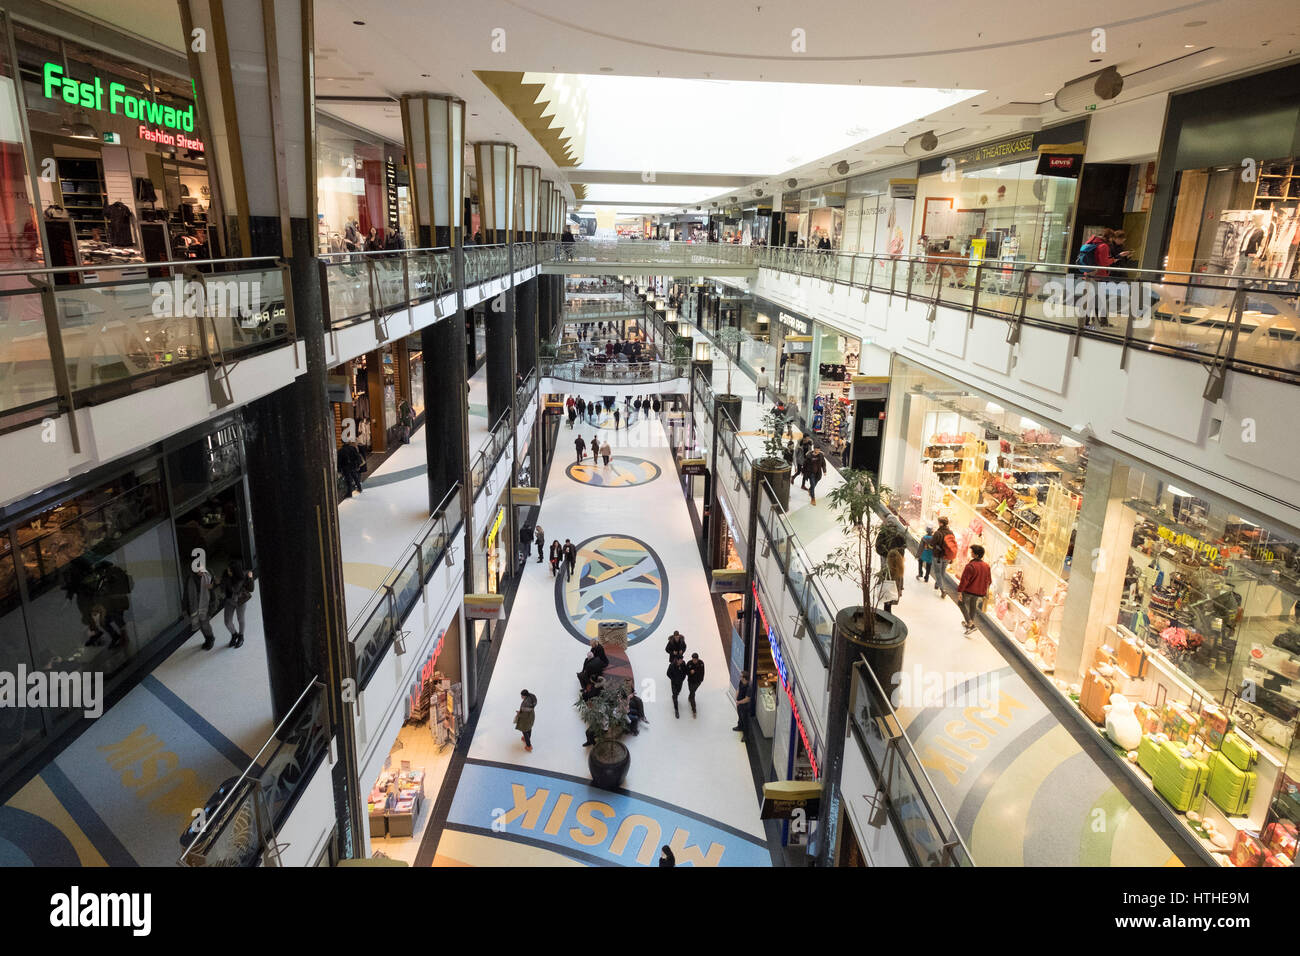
(676,676)
(1093,258)
(925,555)
(200,602)
(525,716)
(944,545)
(237,591)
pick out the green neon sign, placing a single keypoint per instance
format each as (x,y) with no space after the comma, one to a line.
(114,99)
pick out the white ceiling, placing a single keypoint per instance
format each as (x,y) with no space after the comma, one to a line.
(1018,51)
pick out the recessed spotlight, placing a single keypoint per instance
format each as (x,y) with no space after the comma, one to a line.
(1194,23)
(908,81)
(359,23)
(607,69)
(425,76)
(1098,60)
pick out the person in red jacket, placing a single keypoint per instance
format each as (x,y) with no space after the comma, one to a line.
(975,580)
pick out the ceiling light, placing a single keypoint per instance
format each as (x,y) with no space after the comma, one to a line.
(82,129)
(1194,23)
(1189,46)
(607,69)
(359,23)
(425,76)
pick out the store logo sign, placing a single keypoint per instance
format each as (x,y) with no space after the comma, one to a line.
(163,138)
(113,99)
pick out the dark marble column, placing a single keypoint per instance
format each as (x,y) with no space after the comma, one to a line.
(526,327)
(500,322)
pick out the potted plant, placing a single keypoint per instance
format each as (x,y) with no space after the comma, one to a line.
(772,466)
(728,338)
(606,718)
(858,504)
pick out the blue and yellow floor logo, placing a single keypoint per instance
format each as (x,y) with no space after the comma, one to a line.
(605,419)
(616,578)
(623,471)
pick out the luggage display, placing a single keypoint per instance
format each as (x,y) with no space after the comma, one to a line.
(1095,695)
(1242,754)
(1132,658)
(1230,788)
(1215,725)
(1180,779)
(1149,752)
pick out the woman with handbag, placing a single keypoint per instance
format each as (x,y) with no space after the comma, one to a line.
(237,591)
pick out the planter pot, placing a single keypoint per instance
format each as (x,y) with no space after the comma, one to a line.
(777,474)
(883,651)
(608,762)
(731,404)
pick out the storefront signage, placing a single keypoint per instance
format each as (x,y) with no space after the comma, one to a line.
(727,581)
(390,187)
(902,189)
(90,95)
(798,344)
(485,607)
(1016,148)
(870,387)
(794,322)
(695,466)
(774,643)
(163,138)
(1183,540)
(525,496)
(791,799)
(1060,164)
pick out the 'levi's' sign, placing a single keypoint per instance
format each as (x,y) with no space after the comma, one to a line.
(93,95)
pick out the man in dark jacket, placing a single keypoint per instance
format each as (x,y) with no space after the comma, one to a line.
(570,558)
(742,701)
(581,445)
(676,675)
(350,463)
(635,713)
(676,646)
(694,678)
(814,466)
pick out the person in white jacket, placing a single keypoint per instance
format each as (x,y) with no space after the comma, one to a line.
(760,382)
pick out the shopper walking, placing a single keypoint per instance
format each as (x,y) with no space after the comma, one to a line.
(895,569)
(676,646)
(541,543)
(237,590)
(974,585)
(761,382)
(814,467)
(742,701)
(525,716)
(666,857)
(925,555)
(200,601)
(572,412)
(615,418)
(944,546)
(582,408)
(557,555)
(694,678)
(606,453)
(676,676)
(570,559)
(800,456)
(351,464)
(581,445)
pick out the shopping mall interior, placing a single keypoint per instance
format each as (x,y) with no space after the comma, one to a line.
(515,434)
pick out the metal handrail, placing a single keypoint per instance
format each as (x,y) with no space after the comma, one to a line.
(405,250)
(122,266)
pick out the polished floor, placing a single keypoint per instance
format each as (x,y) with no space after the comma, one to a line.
(689,784)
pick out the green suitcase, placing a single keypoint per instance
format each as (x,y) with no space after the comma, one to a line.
(1242,754)
(1180,780)
(1230,787)
(1149,752)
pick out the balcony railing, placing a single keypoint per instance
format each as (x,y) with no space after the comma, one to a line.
(360,286)
(380,620)
(77,336)
(485,263)
(797,595)
(240,830)
(614,373)
(1247,323)
(486,458)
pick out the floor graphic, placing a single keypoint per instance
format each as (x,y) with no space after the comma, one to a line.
(605,420)
(623,471)
(616,578)
(567,815)
(1019,789)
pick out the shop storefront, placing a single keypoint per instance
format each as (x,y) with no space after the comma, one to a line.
(835,362)
(1175,599)
(93,576)
(363,199)
(400,801)
(730,555)
(370,392)
(1215,212)
(821,216)
(878,212)
(999,201)
(128,182)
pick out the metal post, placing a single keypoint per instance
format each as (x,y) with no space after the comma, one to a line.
(54,340)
